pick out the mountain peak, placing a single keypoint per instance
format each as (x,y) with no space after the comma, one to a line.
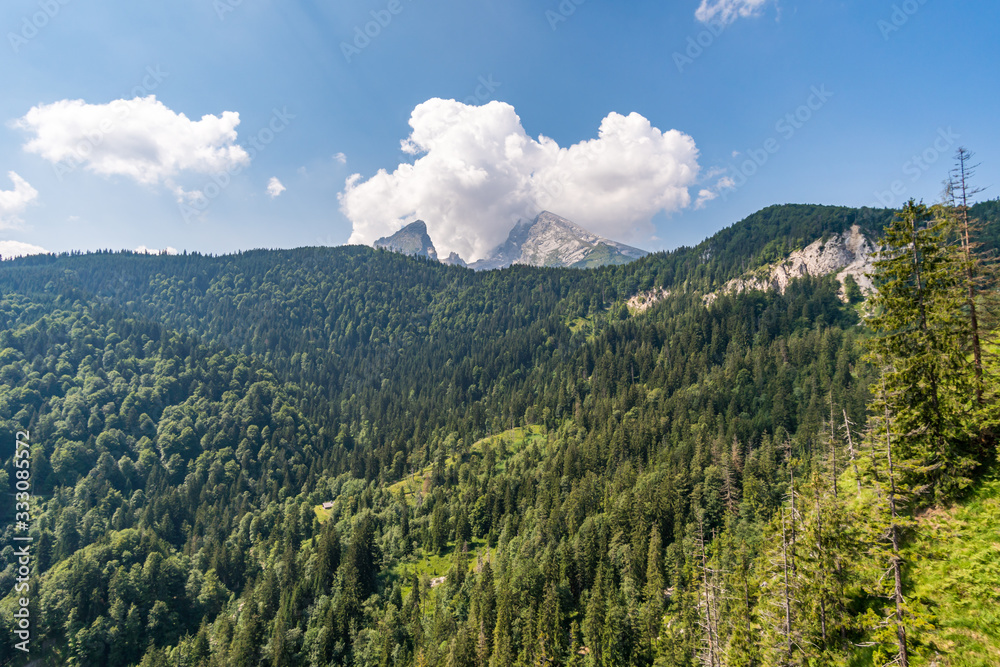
(551,240)
(410,240)
(546,240)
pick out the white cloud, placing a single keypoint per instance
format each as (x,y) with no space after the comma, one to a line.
(274,187)
(13,202)
(341,158)
(143,250)
(478,172)
(708,194)
(12,249)
(140,138)
(728,10)
(705,196)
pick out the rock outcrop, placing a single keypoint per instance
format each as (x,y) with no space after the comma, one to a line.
(846,254)
(410,240)
(643,301)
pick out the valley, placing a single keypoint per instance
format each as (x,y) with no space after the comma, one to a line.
(521,465)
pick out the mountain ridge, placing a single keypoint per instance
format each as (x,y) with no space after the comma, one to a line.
(548,240)
(551,240)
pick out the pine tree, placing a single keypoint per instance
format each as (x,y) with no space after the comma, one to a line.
(918,326)
(778,613)
(652,611)
(886,526)
(736,552)
(503,649)
(549,639)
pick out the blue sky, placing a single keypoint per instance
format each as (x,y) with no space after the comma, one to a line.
(874,84)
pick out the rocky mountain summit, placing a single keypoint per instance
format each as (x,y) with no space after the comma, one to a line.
(548,240)
(410,240)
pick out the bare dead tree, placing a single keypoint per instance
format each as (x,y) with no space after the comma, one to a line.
(833,448)
(850,450)
(820,552)
(791,499)
(787,591)
(961,191)
(710,627)
(897,561)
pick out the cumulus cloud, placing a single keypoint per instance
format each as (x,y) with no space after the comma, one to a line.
(728,11)
(274,187)
(13,202)
(341,158)
(141,139)
(153,251)
(477,172)
(12,249)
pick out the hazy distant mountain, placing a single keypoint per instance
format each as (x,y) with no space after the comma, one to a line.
(453,259)
(550,240)
(410,240)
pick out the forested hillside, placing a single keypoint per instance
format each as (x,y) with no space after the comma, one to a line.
(517,470)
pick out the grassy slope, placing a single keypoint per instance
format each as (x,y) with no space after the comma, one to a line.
(504,444)
(955,565)
(507,446)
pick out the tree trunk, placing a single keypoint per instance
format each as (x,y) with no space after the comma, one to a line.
(708,600)
(964,173)
(822,571)
(788,603)
(933,379)
(904,660)
(850,449)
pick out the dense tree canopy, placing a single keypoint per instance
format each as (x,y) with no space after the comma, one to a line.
(519,471)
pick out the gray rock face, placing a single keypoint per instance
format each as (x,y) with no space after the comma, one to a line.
(410,240)
(454,260)
(550,240)
(846,254)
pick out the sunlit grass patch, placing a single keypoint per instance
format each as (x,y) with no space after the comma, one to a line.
(955,562)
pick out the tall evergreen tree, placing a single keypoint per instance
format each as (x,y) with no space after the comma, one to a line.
(916,317)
